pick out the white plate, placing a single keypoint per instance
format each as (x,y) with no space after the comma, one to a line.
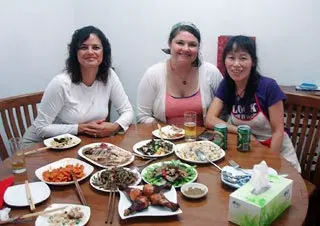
(159,164)
(185,147)
(165,130)
(75,141)
(43,220)
(125,203)
(144,142)
(185,187)
(236,172)
(80,153)
(16,195)
(105,190)
(88,169)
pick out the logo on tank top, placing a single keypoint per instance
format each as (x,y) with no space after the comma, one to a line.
(238,111)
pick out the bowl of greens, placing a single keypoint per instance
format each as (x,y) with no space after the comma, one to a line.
(173,172)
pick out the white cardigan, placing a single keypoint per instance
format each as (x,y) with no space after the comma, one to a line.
(65,104)
(152,91)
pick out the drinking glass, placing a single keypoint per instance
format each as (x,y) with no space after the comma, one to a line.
(17,155)
(190,124)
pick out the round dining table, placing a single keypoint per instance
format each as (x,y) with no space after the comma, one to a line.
(211,210)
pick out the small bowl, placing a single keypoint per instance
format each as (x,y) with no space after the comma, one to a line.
(194,190)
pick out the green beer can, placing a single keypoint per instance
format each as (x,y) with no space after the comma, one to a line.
(244,134)
(221,135)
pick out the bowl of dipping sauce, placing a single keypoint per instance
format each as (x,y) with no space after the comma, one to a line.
(194,190)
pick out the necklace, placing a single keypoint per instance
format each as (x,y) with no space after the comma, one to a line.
(239,94)
(184,80)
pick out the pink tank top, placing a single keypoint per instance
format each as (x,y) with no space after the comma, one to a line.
(175,108)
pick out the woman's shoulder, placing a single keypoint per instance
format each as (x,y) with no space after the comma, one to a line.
(156,68)
(209,69)
(62,79)
(267,82)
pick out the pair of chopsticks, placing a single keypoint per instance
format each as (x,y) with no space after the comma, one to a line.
(79,191)
(39,150)
(111,203)
(29,197)
(29,215)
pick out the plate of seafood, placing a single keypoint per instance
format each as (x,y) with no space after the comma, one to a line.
(102,180)
(106,155)
(238,177)
(153,201)
(169,132)
(63,141)
(187,151)
(154,148)
(173,172)
(59,172)
(70,214)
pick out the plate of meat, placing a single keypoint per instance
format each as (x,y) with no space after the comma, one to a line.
(106,155)
(153,201)
(169,132)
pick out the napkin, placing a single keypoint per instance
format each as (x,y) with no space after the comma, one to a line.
(4,184)
(260,178)
(4,214)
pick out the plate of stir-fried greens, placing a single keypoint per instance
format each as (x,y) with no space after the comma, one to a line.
(173,172)
(154,148)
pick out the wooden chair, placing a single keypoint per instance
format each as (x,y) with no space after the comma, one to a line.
(303,121)
(17,114)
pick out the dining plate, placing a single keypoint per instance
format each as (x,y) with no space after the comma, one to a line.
(102,185)
(88,169)
(63,141)
(16,195)
(187,151)
(154,145)
(241,175)
(169,132)
(161,172)
(125,203)
(106,155)
(49,219)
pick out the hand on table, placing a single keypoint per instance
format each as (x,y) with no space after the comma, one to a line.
(99,128)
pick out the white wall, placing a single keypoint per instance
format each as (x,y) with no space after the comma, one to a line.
(35,33)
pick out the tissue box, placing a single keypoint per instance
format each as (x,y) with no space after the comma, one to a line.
(246,208)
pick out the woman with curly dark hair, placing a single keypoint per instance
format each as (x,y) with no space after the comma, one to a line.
(76,101)
(251,99)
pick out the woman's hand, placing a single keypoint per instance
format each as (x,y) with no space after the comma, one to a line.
(99,128)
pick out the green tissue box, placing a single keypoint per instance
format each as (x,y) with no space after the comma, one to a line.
(248,209)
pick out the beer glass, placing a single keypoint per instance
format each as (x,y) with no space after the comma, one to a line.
(190,124)
(17,155)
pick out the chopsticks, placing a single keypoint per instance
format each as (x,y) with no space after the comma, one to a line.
(37,150)
(29,197)
(160,131)
(29,215)
(111,203)
(80,193)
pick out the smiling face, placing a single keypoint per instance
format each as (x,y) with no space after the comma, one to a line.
(184,47)
(90,53)
(238,64)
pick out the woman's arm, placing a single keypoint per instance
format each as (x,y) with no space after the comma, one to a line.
(276,113)
(214,112)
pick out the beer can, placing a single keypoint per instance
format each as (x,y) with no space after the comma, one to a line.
(221,135)
(243,141)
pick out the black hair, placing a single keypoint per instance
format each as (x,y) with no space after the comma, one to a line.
(189,27)
(248,45)
(72,63)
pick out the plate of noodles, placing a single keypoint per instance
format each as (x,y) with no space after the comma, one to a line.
(63,141)
(69,214)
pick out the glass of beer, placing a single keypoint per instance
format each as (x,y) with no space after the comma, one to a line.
(190,125)
(17,155)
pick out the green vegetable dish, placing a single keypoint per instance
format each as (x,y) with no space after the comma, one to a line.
(173,172)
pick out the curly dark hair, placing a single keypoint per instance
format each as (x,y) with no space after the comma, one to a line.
(248,45)
(72,63)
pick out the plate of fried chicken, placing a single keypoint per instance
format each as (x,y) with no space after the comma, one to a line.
(148,200)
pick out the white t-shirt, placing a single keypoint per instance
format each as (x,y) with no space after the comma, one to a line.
(65,104)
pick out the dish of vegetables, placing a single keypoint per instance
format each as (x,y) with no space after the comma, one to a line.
(154,148)
(173,172)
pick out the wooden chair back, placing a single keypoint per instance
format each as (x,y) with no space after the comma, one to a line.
(17,114)
(303,121)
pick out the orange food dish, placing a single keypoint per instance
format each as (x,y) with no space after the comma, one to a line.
(63,174)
